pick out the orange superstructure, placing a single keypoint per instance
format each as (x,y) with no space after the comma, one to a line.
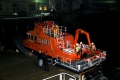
(42,39)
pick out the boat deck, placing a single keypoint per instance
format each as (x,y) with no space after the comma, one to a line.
(18,66)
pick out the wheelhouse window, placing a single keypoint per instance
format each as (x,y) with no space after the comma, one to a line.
(35,38)
(32,37)
(28,36)
(42,41)
(47,42)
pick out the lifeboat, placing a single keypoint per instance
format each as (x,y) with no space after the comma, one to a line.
(61,47)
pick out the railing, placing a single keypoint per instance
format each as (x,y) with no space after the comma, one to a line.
(68,50)
(60,43)
(61,76)
(64,59)
(78,65)
(49,31)
(63,29)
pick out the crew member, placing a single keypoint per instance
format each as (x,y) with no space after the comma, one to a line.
(81,46)
(77,49)
(93,47)
(45,61)
(40,59)
(55,29)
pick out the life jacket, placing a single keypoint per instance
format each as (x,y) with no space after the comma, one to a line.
(55,30)
(76,49)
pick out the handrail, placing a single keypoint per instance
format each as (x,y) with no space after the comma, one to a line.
(64,59)
(61,28)
(61,78)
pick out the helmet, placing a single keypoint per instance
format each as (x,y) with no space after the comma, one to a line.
(80,42)
(92,43)
(76,44)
